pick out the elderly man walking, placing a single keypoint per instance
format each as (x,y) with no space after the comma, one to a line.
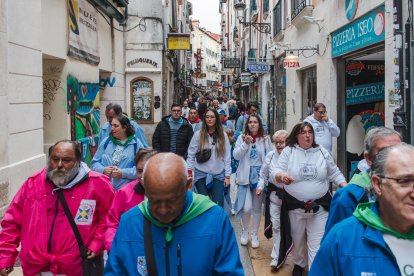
(379,238)
(36,219)
(345,200)
(174,231)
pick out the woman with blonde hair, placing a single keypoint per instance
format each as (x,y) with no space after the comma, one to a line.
(209,157)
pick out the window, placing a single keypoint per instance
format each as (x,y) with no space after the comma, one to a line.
(298,6)
(277,18)
(253,6)
(309,91)
(265,6)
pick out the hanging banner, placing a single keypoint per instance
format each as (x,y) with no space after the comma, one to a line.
(83,32)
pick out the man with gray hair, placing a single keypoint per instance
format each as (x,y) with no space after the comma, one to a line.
(174,231)
(346,199)
(379,238)
(36,219)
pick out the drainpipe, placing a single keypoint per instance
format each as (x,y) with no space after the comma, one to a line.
(401,117)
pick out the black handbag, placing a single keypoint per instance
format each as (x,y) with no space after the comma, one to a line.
(203,155)
(90,267)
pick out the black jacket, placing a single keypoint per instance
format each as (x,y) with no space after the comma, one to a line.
(161,137)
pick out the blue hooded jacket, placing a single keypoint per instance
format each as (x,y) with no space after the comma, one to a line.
(345,200)
(205,245)
(103,159)
(353,248)
(139,132)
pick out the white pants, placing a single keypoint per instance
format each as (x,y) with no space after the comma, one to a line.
(252,207)
(307,230)
(233,189)
(275,204)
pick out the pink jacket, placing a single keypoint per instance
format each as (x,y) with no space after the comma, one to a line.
(32,213)
(125,198)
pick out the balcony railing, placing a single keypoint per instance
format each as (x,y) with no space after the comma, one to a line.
(298,6)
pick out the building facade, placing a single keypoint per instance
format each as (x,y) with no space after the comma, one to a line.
(64,61)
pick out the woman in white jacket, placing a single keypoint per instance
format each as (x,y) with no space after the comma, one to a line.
(251,149)
(273,200)
(212,175)
(306,169)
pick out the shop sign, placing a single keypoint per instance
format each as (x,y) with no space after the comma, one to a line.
(291,64)
(245,78)
(178,41)
(365,93)
(363,32)
(232,63)
(351,7)
(258,67)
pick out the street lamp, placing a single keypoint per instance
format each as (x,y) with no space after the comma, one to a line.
(240,6)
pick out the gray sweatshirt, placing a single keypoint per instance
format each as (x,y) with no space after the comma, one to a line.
(324,131)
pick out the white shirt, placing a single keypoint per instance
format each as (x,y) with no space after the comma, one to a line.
(403,251)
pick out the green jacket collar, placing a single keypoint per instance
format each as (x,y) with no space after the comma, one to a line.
(365,214)
(198,205)
(117,142)
(361,179)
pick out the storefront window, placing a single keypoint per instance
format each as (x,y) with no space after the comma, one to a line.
(309,91)
(280,92)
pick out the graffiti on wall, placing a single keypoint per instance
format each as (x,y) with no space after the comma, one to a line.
(83,109)
(51,87)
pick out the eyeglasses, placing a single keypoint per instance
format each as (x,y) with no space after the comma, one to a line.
(402,182)
(322,112)
(176,110)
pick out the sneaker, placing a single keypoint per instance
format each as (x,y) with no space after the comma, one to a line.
(273,265)
(255,241)
(233,212)
(244,239)
(297,270)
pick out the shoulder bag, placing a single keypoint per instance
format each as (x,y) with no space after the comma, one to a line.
(90,267)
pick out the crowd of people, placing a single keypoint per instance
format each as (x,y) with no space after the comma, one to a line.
(164,210)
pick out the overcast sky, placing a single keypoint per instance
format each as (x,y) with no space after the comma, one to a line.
(207,11)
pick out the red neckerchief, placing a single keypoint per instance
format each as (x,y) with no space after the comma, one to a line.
(195,121)
(255,137)
(211,134)
(224,120)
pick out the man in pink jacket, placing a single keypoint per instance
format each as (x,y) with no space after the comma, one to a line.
(35,217)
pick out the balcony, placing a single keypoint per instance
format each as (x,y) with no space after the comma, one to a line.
(300,8)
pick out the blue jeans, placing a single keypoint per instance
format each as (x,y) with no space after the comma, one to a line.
(216,193)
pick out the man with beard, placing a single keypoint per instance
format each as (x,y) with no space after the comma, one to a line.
(36,219)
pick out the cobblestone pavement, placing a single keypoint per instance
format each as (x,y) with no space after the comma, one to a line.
(257,261)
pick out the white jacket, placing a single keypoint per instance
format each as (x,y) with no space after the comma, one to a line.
(324,131)
(311,169)
(242,153)
(214,165)
(271,159)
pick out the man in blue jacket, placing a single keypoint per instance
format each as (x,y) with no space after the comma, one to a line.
(191,235)
(379,238)
(345,200)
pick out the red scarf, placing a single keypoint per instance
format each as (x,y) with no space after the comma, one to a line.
(195,121)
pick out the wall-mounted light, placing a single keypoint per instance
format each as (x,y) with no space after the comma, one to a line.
(292,60)
(240,6)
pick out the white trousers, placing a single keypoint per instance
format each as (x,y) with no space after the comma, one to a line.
(274,208)
(307,230)
(252,207)
(233,189)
